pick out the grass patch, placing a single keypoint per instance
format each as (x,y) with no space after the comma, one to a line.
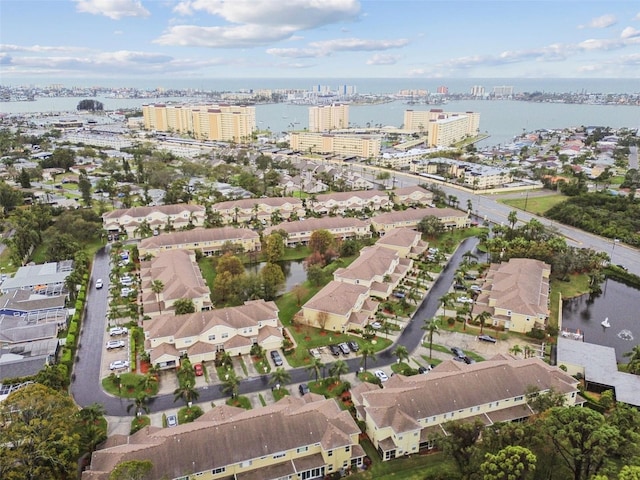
(129,386)
(263,402)
(415,467)
(240,401)
(328,387)
(578,284)
(280,393)
(537,205)
(189,414)
(448,241)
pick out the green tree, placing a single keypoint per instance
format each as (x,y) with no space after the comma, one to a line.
(541,402)
(92,426)
(273,280)
(315,367)
(10,198)
(315,275)
(230,263)
(510,463)
(54,376)
(431,226)
(39,436)
(157,287)
(280,377)
(338,368)
(274,247)
(633,366)
(183,306)
(461,444)
(321,241)
(132,470)
(401,353)
(230,384)
(84,185)
(367,352)
(24,179)
(186,392)
(431,327)
(139,405)
(482,317)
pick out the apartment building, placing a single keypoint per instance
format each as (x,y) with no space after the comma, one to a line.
(299,232)
(201,335)
(412,196)
(409,414)
(442,128)
(364,146)
(209,241)
(449,217)
(516,293)
(324,118)
(295,439)
(181,279)
(340,202)
(408,243)
(229,123)
(130,220)
(473,175)
(244,210)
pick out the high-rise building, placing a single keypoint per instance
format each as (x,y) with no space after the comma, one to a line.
(205,122)
(443,90)
(503,91)
(477,91)
(442,128)
(328,117)
(365,146)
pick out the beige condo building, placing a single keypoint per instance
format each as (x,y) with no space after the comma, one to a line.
(442,128)
(205,122)
(328,117)
(364,146)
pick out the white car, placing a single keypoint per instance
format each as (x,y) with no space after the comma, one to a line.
(99,283)
(381,375)
(111,344)
(118,364)
(464,300)
(114,331)
(124,292)
(376,325)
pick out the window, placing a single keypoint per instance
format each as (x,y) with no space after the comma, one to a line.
(225,335)
(518,398)
(347,448)
(302,449)
(218,470)
(279,455)
(330,453)
(245,464)
(212,337)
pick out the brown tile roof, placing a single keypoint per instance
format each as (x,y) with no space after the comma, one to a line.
(140,212)
(400,237)
(415,215)
(336,297)
(249,203)
(312,224)
(373,261)
(198,235)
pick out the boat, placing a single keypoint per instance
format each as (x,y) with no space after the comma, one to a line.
(605,323)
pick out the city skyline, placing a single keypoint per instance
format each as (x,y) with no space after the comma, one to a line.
(190,39)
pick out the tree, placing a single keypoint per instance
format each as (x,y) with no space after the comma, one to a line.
(431,326)
(321,241)
(92,431)
(430,225)
(482,317)
(512,218)
(401,353)
(230,384)
(90,104)
(273,280)
(230,263)
(132,470)
(274,247)
(515,350)
(279,377)
(510,463)
(139,405)
(84,185)
(541,402)
(183,306)
(54,377)
(315,367)
(315,275)
(582,437)
(633,366)
(157,287)
(338,369)
(186,392)
(299,291)
(39,436)
(367,352)
(24,179)
(461,443)
(9,197)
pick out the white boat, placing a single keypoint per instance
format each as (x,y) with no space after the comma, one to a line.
(605,323)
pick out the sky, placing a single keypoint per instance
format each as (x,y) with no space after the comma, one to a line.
(45,40)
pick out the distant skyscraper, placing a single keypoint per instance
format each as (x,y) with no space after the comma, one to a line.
(443,90)
(477,91)
(503,91)
(328,117)
(347,90)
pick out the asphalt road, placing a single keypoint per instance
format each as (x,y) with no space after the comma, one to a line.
(86,387)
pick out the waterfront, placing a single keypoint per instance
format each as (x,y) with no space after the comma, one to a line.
(619,303)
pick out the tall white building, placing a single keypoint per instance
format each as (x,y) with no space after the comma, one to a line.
(328,117)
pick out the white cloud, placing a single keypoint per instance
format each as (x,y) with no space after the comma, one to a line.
(40,48)
(295,52)
(630,32)
(382,59)
(358,44)
(114,9)
(255,22)
(603,21)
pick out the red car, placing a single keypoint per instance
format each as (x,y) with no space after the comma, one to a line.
(198,369)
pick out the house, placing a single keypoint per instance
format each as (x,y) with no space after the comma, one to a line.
(295,438)
(338,202)
(245,210)
(407,415)
(449,217)
(209,241)
(413,195)
(516,293)
(201,335)
(299,232)
(181,279)
(408,243)
(46,278)
(131,220)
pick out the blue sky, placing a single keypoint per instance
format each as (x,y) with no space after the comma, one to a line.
(43,40)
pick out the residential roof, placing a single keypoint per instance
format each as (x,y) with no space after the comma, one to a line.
(374,261)
(312,224)
(141,212)
(198,235)
(337,297)
(415,215)
(248,203)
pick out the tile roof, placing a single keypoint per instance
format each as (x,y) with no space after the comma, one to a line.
(198,235)
(337,297)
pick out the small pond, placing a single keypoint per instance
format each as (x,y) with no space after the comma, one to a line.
(293,270)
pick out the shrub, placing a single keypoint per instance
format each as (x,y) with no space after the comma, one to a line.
(71,340)
(139,422)
(536,333)
(73,328)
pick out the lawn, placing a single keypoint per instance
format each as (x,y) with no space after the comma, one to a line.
(129,385)
(448,241)
(415,467)
(536,205)
(240,401)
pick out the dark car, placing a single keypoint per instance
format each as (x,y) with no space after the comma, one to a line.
(335,350)
(353,346)
(424,370)
(277,359)
(344,348)
(304,388)
(457,351)
(487,338)
(468,360)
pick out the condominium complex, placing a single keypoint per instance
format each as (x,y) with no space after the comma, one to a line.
(328,117)
(364,146)
(204,122)
(442,128)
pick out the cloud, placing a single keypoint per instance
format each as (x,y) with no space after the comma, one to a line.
(5,47)
(295,52)
(255,22)
(604,21)
(114,9)
(630,32)
(382,59)
(358,44)
(118,32)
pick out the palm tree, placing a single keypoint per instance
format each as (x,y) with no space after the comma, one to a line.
(186,392)
(315,367)
(447,300)
(512,218)
(634,360)
(401,353)
(157,287)
(148,382)
(515,350)
(279,377)
(367,352)
(139,405)
(482,317)
(338,369)
(230,384)
(431,326)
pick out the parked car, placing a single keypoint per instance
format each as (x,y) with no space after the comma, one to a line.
(335,350)
(424,370)
(118,364)
(376,325)
(476,288)
(381,375)
(197,368)
(303,388)
(99,283)
(114,331)
(457,351)
(464,300)
(468,360)
(344,348)
(459,286)
(277,359)
(353,346)
(487,338)
(124,292)
(113,344)
(172,421)
(470,276)
(315,353)
(399,294)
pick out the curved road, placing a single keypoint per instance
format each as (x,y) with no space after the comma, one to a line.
(87,389)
